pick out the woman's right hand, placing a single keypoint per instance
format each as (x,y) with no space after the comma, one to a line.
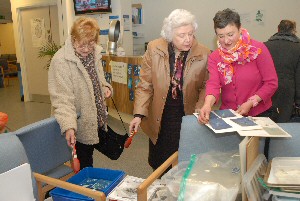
(135,124)
(204,114)
(70,137)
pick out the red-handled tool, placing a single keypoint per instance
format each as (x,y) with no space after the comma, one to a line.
(75,163)
(128,141)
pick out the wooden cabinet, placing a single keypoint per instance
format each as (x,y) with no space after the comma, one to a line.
(121,91)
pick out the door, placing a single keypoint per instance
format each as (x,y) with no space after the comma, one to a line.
(39,25)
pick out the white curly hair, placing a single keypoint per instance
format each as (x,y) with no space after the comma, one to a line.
(177,18)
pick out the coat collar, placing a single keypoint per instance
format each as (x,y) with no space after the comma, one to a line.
(285,36)
(194,51)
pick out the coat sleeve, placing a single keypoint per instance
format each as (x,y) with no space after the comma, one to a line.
(213,84)
(202,89)
(268,72)
(297,83)
(61,94)
(144,90)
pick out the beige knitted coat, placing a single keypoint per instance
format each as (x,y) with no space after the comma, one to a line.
(71,93)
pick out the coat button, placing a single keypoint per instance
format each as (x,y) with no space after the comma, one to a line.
(157,119)
(163,98)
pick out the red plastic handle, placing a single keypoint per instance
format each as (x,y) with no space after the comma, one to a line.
(75,162)
(129,140)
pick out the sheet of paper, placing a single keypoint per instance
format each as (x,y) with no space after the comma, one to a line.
(269,129)
(223,121)
(285,170)
(16,184)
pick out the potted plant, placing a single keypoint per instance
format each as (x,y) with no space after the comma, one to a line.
(48,50)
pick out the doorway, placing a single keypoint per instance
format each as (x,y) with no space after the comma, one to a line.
(39,26)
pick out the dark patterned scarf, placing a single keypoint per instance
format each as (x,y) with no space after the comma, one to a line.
(176,70)
(89,64)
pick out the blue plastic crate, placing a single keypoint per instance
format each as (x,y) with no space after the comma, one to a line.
(104,180)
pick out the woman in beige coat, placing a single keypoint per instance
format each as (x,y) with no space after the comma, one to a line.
(173,76)
(77,87)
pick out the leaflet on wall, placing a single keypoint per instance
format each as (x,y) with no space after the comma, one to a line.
(38,32)
(119,72)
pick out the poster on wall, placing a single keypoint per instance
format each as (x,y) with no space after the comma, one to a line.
(119,72)
(38,32)
(260,17)
(126,23)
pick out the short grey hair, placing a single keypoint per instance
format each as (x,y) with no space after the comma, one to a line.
(177,18)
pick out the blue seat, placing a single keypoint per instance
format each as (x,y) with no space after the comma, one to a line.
(46,149)
(43,135)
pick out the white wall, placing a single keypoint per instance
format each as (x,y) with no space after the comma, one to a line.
(119,7)
(204,10)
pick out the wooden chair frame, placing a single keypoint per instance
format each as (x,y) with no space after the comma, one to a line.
(44,189)
(142,189)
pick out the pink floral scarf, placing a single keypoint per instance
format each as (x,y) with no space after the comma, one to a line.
(241,53)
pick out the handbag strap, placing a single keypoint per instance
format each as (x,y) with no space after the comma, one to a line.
(119,115)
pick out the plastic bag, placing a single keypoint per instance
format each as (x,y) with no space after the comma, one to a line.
(210,176)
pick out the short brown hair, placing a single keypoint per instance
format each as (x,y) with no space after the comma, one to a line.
(287,26)
(85,29)
(225,17)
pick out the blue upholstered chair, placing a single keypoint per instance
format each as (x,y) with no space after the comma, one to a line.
(46,149)
(13,154)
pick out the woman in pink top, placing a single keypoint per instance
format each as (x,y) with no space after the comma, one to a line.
(241,69)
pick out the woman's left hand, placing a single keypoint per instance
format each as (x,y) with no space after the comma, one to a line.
(107,93)
(245,108)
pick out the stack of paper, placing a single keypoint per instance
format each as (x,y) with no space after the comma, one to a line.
(283,174)
(223,121)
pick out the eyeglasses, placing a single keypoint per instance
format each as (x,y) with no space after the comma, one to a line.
(89,46)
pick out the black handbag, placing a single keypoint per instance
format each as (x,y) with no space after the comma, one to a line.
(111,143)
(296,114)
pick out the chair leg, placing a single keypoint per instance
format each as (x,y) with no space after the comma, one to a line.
(41,194)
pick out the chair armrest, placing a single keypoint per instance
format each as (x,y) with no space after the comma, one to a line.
(142,189)
(97,195)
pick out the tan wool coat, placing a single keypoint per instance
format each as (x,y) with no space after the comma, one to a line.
(71,93)
(151,92)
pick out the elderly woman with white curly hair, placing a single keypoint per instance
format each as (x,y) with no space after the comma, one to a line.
(172,83)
